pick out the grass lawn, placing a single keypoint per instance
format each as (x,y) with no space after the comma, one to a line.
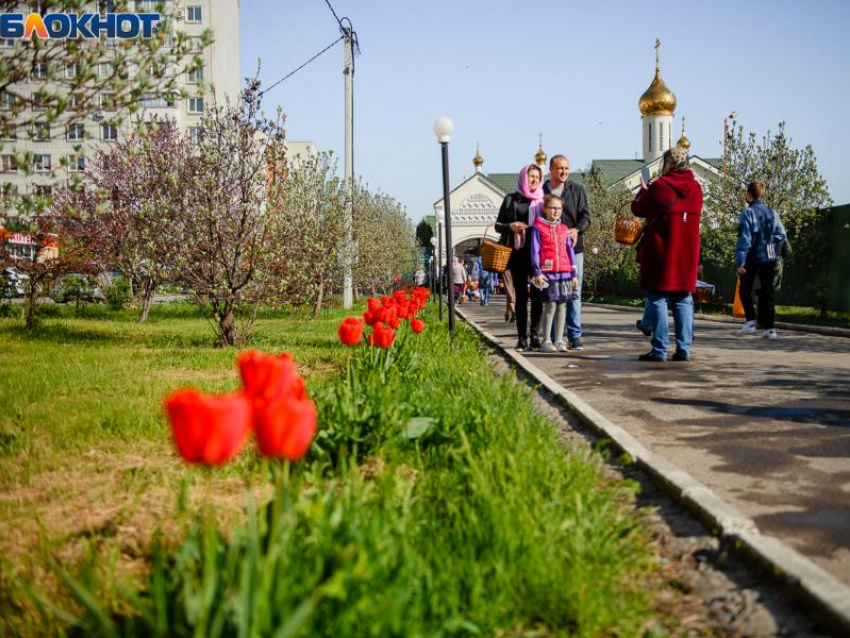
(480,522)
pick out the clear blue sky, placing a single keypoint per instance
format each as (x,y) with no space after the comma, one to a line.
(505,73)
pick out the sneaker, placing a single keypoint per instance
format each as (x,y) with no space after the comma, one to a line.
(639,325)
(770,334)
(535,342)
(680,356)
(575,344)
(649,356)
(549,347)
(748,328)
(522,345)
(561,346)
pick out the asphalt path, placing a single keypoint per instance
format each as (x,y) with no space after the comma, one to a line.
(764,424)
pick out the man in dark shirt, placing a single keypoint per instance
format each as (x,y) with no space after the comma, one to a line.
(577,218)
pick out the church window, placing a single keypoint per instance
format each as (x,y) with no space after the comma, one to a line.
(649,129)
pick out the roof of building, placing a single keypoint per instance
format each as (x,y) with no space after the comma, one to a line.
(507,181)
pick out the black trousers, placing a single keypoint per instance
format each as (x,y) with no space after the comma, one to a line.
(766,272)
(520,267)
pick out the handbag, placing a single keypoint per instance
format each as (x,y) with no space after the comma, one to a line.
(737,304)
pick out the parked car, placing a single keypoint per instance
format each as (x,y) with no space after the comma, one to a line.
(12,282)
(76,287)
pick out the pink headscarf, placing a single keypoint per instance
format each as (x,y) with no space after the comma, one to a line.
(536,197)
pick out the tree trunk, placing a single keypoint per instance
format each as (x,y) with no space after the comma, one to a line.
(317,308)
(228,333)
(147,301)
(31,305)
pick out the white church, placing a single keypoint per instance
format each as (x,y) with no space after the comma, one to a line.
(475,202)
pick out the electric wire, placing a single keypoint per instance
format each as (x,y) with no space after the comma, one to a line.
(289,75)
(339,22)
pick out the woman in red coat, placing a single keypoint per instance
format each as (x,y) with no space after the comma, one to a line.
(669,252)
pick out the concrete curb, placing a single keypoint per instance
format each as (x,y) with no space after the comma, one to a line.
(828,594)
(828,331)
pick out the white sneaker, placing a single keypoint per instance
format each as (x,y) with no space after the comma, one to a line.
(548,347)
(748,328)
(770,334)
(561,346)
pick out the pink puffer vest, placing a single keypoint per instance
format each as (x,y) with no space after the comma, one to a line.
(553,246)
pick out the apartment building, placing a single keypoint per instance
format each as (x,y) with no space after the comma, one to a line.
(59,149)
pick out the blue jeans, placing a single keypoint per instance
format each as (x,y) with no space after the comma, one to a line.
(574,307)
(683,320)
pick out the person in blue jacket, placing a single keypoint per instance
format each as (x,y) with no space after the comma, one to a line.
(760,239)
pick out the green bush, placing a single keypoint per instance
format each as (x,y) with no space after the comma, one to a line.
(118,293)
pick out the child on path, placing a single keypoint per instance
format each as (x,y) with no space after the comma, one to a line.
(553,267)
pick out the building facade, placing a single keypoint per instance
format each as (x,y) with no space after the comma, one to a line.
(60,149)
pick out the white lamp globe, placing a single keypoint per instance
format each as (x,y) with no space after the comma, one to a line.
(443,129)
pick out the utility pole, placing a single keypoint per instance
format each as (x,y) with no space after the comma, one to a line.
(348,215)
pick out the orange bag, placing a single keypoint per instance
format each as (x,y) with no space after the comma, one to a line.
(737,306)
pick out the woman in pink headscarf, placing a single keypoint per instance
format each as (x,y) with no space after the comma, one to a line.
(516,215)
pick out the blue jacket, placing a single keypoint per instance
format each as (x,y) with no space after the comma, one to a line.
(760,234)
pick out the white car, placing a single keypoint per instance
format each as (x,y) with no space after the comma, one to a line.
(12,282)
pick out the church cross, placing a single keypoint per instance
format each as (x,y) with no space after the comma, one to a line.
(657,47)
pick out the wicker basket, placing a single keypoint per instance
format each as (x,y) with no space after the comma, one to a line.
(494,257)
(627,229)
(704,292)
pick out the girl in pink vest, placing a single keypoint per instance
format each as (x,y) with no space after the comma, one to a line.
(553,268)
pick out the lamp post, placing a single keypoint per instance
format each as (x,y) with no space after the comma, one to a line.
(443,129)
(440,266)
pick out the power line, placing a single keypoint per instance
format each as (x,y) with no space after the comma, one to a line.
(339,22)
(289,75)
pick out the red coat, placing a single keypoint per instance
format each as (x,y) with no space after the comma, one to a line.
(669,251)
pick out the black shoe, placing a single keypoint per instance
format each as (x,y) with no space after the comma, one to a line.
(639,326)
(575,344)
(522,345)
(680,356)
(535,342)
(651,357)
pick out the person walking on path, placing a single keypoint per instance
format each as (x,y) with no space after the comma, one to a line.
(485,282)
(760,239)
(516,215)
(576,216)
(553,269)
(668,253)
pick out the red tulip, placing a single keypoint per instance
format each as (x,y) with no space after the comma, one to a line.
(418,325)
(267,377)
(382,337)
(369,317)
(285,428)
(350,331)
(373,303)
(208,428)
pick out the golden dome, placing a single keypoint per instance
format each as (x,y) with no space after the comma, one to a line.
(657,99)
(477,161)
(540,157)
(684,143)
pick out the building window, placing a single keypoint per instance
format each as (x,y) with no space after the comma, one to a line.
(43,190)
(40,101)
(7,101)
(10,195)
(41,163)
(39,70)
(194,135)
(106,6)
(108,132)
(9,132)
(195,44)
(75,101)
(649,130)
(72,71)
(146,6)
(196,105)
(7,43)
(41,132)
(8,163)
(76,132)
(76,163)
(196,75)
(107,69)
(153,101)
(193,13)
(660,136)
(107,101)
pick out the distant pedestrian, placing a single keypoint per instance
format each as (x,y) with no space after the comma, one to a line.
(485,282)
(669,252)
(419,277)
(760,240)
(553,269)
(458,279)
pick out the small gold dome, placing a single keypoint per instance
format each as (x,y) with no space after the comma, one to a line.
(657,99)
(684,143)
(540,157)
(477,161)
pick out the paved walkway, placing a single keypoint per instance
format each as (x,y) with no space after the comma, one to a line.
(764,424)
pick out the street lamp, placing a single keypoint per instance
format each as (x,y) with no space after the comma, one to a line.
(443,129)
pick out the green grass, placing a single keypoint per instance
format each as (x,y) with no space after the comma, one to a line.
(436,500)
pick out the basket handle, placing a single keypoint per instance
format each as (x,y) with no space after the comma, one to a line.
(493,224)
